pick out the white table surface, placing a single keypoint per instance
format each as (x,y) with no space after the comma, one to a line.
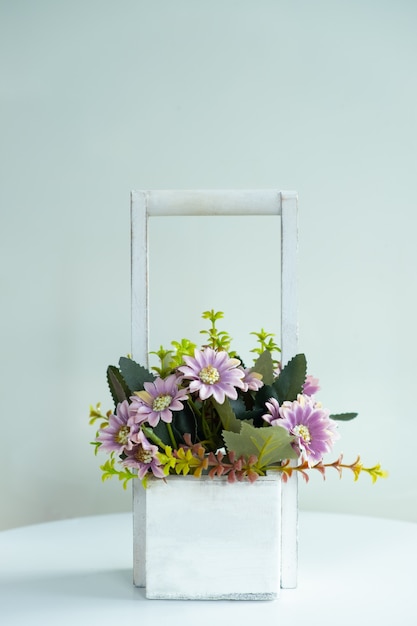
(352,570)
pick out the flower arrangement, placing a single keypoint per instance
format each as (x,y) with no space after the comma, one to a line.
(201,411)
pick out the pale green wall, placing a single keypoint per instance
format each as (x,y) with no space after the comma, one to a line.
(100,97)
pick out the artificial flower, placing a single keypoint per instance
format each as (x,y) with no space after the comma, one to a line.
(116,436)
(213,373)
(311,386)
(314,430)
(157,401)
(273,417)
(252,380)
(143,457)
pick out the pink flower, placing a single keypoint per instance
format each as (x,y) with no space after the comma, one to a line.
(311,386)
(314,430)
(252,380)
(273,417)
(116,436)
(143,457)
(310,424)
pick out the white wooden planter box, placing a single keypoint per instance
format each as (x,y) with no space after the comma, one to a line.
(173,555)
(204,539)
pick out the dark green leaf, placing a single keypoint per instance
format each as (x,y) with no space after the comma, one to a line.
(344,417)
(184,422)
(161,431)
(134,374)
(254,413)
(238,407)
(264,394)
(117,385)
(254,416)
(291,380)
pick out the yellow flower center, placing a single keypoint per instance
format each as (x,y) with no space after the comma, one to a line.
(209,375)
(303,432)
(161,402)
(143,456)
(123,435)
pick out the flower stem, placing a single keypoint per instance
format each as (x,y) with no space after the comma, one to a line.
(204,423)
(171,436)
(194,407)
(151,435)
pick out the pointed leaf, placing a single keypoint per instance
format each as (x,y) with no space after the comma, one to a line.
(343,417)
(117,385)
(253,417)
(134,374)
(265,366)
(253,413)
(227,416)
(271,444)
(264,394)
(292,378)
(184,422)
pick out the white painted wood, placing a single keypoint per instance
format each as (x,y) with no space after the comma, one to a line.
(139,277)
(140,353)
(289,239)
(139,534)
(217,202)
(289,341)
(213,202)
(211,540)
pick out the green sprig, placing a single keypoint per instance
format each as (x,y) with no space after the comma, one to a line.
(96,414)
(109,471)
(266,342)
(165,359)
(218,340)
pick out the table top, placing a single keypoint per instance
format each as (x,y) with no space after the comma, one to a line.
(79,571)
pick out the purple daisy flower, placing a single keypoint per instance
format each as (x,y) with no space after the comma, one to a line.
(252,380)
(116,436)
(314,430)
(213,374)
(273,417)
(311,386)
(143,457)
(157,401)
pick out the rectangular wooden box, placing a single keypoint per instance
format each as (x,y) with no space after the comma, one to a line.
(209,539)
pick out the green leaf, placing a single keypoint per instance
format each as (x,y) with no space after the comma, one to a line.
(184,422)
(291,380)
(271,444)
(264,394)
(265,366)
(161,431)
(227,416)
(134,374)
(253,413)
(343,417)
(239,407)
(97,444)
(117,385)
